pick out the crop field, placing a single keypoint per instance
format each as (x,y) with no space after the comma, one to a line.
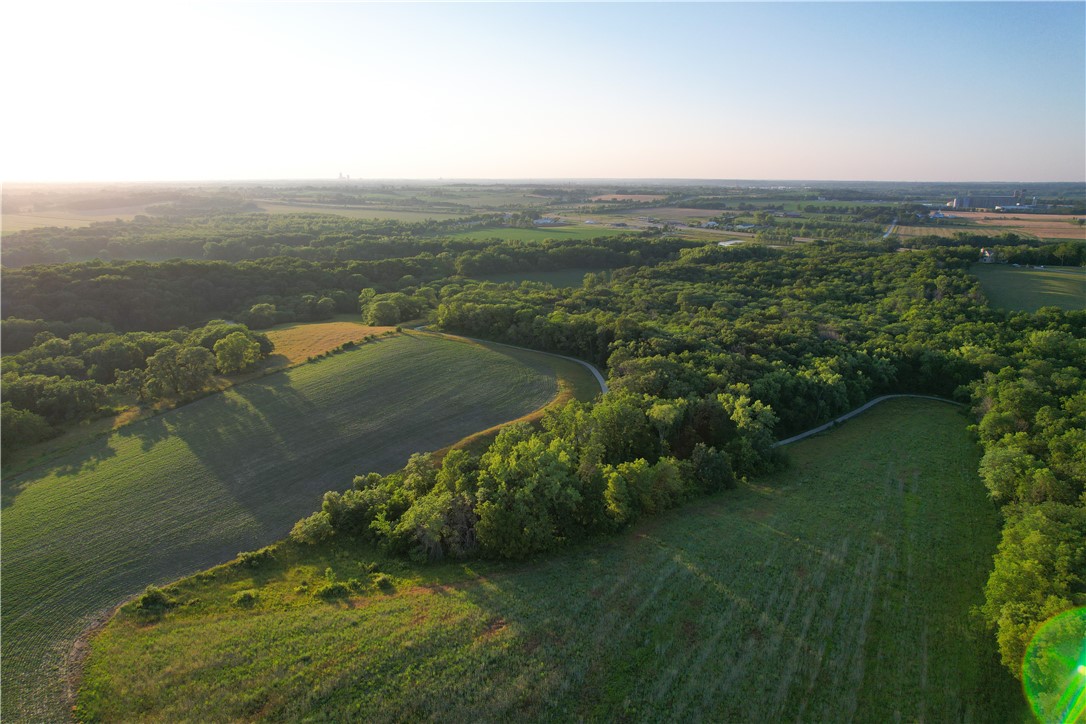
(190,488)
(1042,226)
(947,231)
(839,589)
(1025,289)
(298,342)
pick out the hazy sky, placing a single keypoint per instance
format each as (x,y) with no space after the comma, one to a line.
(857,91)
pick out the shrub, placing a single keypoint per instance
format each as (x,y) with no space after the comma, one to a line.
(153,603)
(383,581)
(255,559)
(331,591)
(312,530)
(246,598)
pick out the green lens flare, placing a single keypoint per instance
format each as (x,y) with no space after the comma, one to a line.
(1054,669)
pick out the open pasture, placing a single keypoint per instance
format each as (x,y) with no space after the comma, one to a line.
(836,590)
(1027,290)
(190,488)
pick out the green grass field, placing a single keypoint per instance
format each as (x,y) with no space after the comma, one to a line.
(837,590)
(559,278)
(190,488)
(1027,290)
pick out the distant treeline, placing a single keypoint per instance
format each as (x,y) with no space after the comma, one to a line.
(131,296)
(1008,247)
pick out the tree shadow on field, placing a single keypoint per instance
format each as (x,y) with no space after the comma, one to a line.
(275,451)
(150,431)
(245,440)
(85,458)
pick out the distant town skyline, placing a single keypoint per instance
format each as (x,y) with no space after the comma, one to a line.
(967,92)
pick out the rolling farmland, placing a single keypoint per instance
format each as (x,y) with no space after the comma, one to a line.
(190,488)
(838,589)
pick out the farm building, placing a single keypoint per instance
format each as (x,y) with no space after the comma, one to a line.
(987,201)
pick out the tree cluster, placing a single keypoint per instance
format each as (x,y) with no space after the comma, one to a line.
(589,469)
(1032,426)
(57,382)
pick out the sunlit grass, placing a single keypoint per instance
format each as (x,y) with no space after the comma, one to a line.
(175,493)
(1025,289)
(839,589)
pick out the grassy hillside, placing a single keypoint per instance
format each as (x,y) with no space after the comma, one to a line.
(1027,290)
(191,488)
(839,589)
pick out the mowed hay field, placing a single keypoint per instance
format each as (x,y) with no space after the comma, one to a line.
(296,343)
(1027,290)
(190,488)
(837,590)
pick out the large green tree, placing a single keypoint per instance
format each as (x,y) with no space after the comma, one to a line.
(236,352)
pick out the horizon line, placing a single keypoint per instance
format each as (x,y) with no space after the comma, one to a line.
(529,179)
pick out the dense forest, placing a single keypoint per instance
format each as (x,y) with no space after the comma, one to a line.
(711,353)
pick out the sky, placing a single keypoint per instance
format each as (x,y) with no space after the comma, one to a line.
(192,91)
